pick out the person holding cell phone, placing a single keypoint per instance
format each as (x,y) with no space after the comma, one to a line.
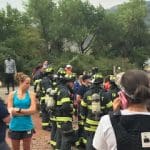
(129,128)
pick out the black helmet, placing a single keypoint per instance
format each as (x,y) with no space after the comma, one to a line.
(97,79)
(69,78)
(49,70)
(95,70)
(61,72)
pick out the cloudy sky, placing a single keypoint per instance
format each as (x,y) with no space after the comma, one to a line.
(105,3)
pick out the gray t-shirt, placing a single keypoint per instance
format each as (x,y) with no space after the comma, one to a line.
(10,66)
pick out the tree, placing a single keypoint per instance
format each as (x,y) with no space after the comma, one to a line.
(131,18)
(20,39)
(79,20)
(42,12)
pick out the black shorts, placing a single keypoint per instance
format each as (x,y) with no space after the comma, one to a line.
(19,135)
(9,78)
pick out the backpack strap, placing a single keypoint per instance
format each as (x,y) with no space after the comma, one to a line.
(115,117)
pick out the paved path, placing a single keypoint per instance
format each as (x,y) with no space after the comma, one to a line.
(41,137)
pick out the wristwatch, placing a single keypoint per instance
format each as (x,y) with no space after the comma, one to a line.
(19,110)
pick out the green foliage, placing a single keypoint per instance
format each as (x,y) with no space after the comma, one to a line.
(19,39)
(131,18)
(121,37)
(82,63)
(142,53)
(79,19)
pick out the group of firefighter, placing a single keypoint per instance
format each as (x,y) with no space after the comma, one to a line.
(71,105)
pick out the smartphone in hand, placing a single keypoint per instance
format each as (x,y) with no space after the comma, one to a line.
(124,101)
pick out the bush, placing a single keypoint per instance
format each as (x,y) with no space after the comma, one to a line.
(82,63)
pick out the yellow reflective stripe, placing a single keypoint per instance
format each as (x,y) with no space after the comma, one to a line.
(64,100)
(74,110)
(89,97)
(92,129)
(58,93)
(77,143)
(108,105)
(82,117)
(58,125)
(43,97)
(59,103)
(83,103)
(80,140)
(34,83)
(53,119)
(84,140)
(37,81)
(114,94)
(91,122)
(81,123)
(53,143)
(90,107)
(45,124)
(63,119)
(56,89)
(103,107)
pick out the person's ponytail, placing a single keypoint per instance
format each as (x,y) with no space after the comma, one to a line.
(142,93)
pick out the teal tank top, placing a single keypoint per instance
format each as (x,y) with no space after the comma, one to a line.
(21,123)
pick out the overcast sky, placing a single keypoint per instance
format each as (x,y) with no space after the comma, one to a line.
(105,3)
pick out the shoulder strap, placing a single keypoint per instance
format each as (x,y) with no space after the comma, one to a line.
(14,93)
(115,117)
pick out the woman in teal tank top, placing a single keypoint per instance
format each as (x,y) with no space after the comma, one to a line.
(21,105)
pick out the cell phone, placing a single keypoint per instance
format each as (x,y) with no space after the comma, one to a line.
(124,101)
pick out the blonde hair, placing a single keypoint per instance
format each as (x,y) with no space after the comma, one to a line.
(20,77)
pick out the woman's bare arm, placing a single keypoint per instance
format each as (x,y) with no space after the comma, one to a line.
(15,112)
(32,108)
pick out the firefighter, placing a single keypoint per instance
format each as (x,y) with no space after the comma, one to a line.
(46,84)
(96,103)
(94,70)
(85,85)
(37,76)
(107,83)
(127,129)
(51,105)
(68,69)
(64,111)
(114,89)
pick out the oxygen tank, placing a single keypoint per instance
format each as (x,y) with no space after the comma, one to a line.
(96,105)
(49,101)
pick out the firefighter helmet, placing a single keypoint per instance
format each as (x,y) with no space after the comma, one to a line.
(97,78)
